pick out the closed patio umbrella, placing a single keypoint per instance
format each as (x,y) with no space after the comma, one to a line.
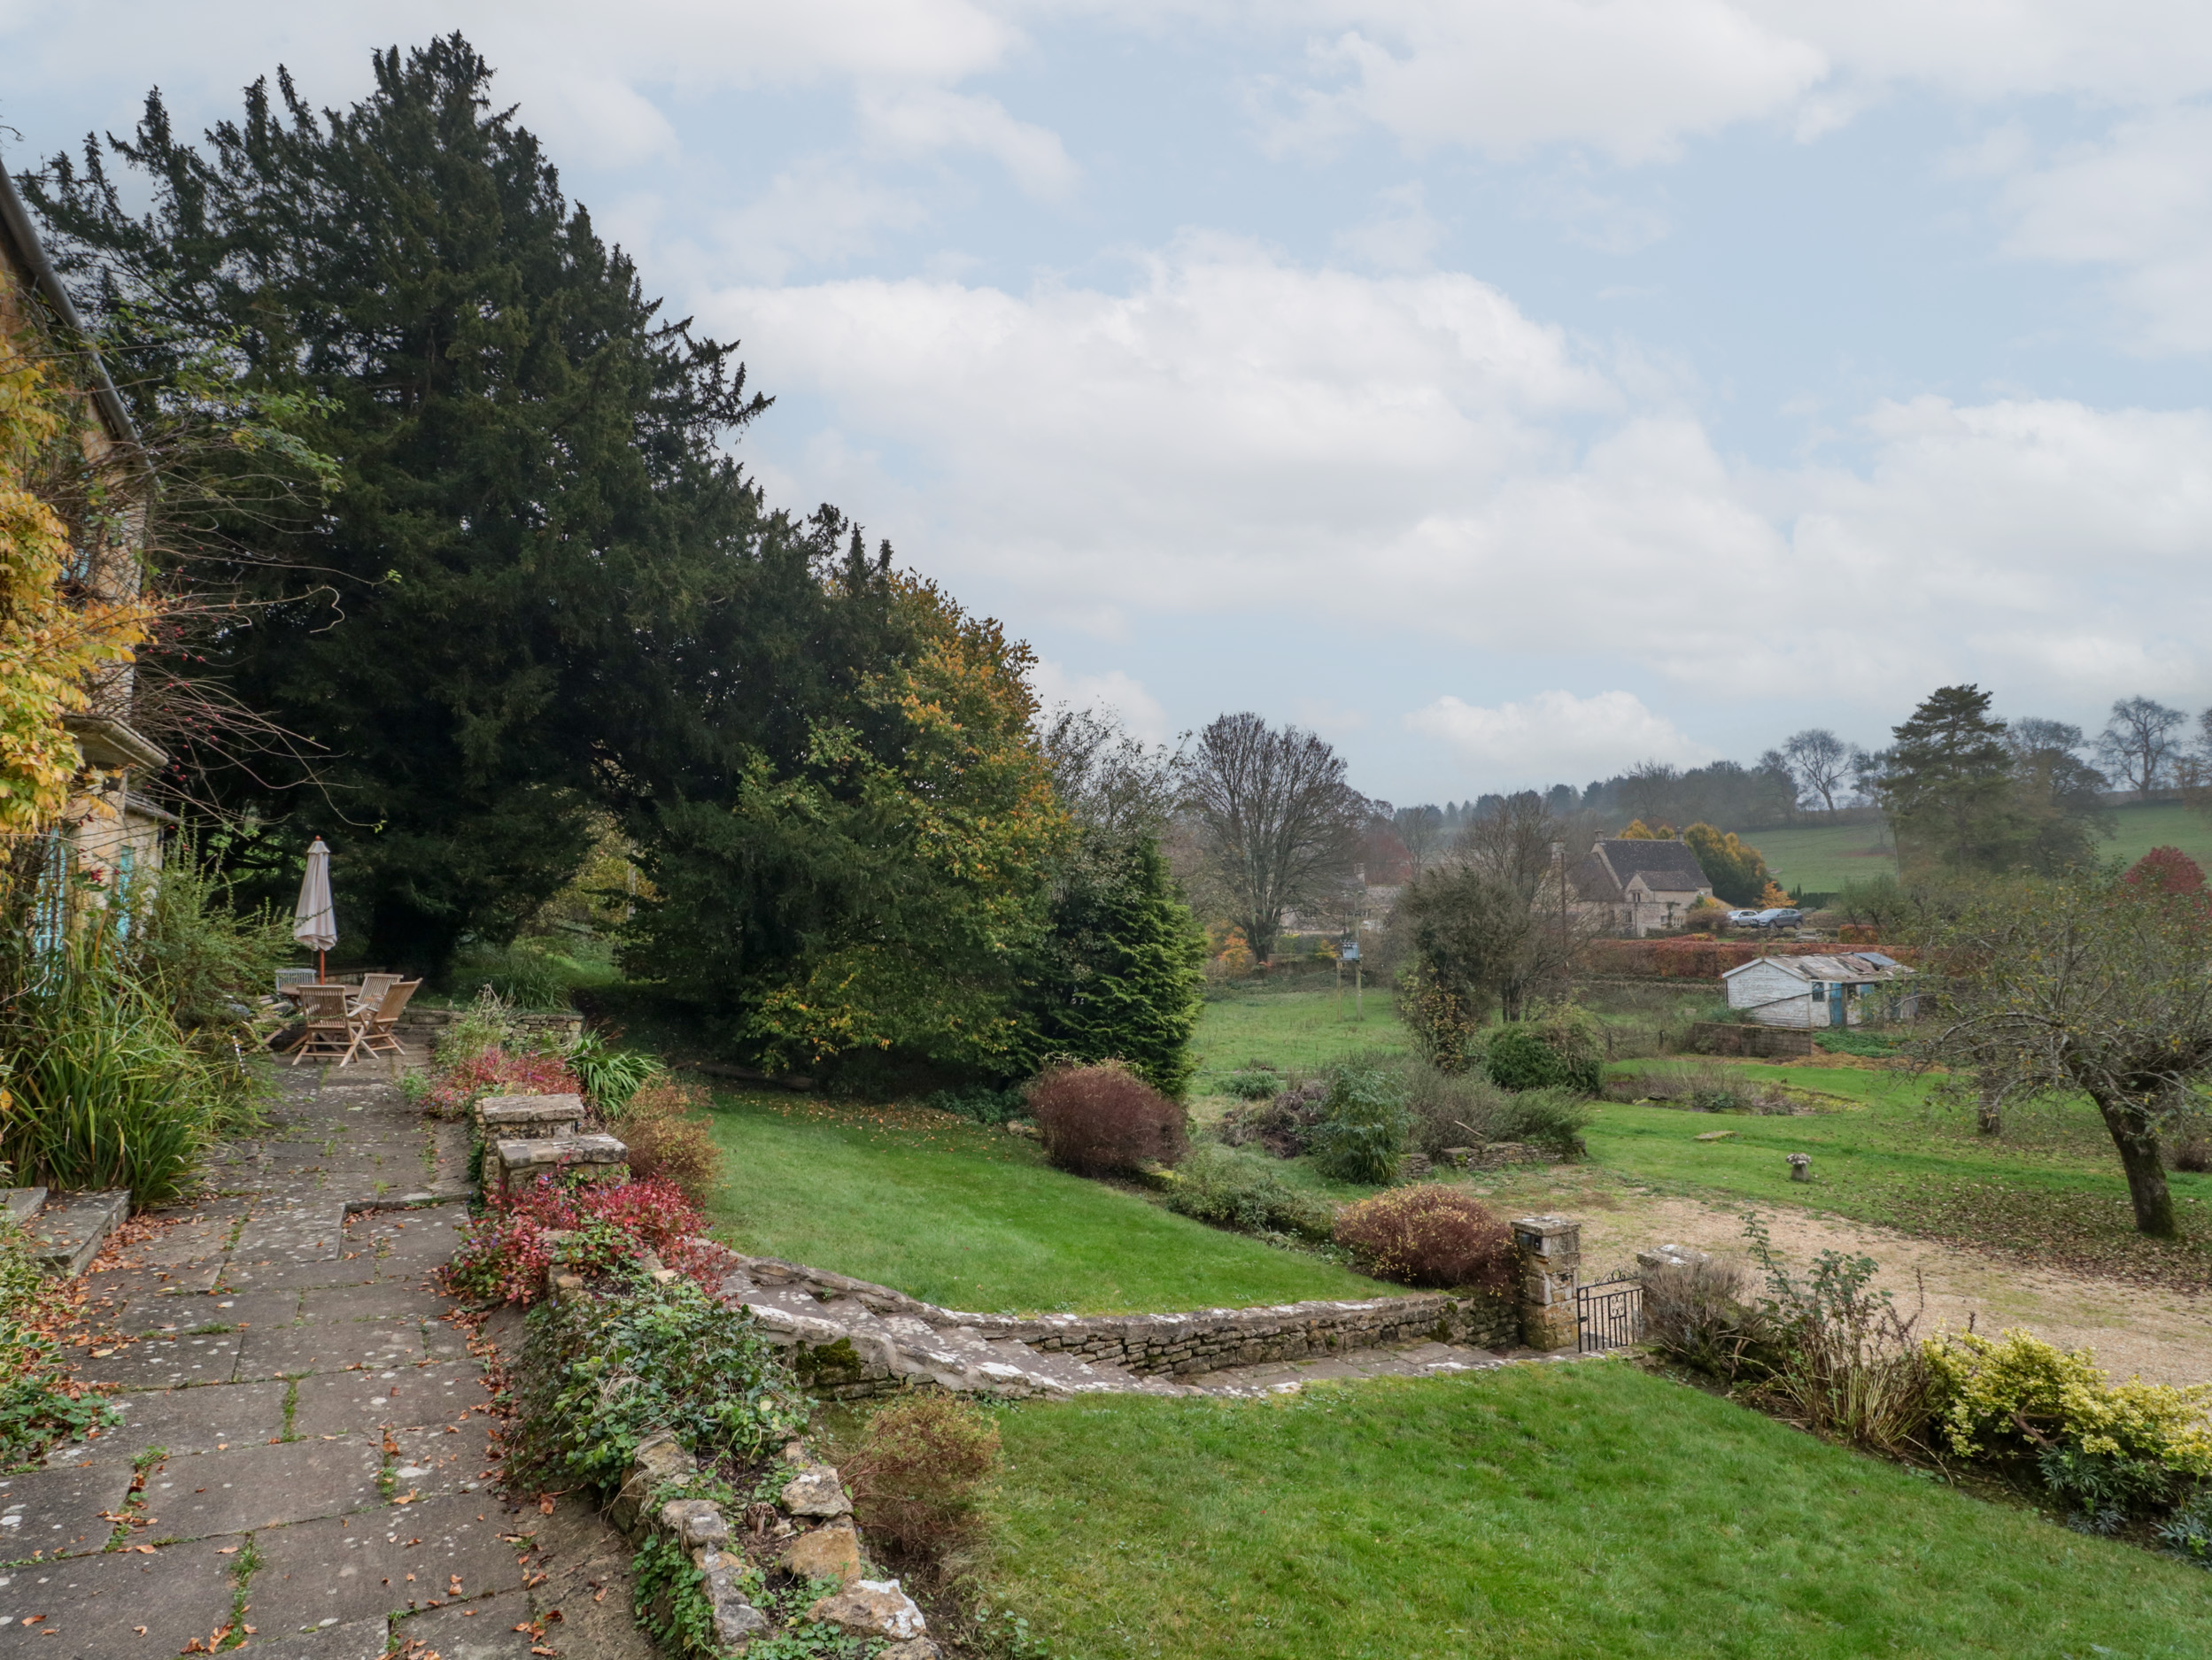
(314,922)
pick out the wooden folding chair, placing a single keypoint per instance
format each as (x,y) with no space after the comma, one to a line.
(379,1038)
(333,1031)
(373,989)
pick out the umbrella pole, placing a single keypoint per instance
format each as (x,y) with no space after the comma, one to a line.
(322,966)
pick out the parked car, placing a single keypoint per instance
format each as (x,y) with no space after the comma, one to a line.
(1781,916)
(1742,919)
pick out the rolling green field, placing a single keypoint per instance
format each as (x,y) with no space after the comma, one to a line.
(973,1218)
(1825,859)
(2050,1187)
(1534,1513)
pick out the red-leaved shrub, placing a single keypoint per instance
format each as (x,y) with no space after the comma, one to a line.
(1430,1236)
(493,1071)
(504,1253)
(1103,1120)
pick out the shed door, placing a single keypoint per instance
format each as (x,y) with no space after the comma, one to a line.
(1835,1017)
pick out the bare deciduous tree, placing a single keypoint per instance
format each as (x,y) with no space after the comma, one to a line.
(1421,830)
(2137,742)
(1109,779)
(1820,762)
(1649,789)
(1277,824)
(1511,844)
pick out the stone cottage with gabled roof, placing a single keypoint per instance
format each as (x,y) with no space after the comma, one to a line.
(1647,884)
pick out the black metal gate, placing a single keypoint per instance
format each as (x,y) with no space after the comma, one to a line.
(1608,1313)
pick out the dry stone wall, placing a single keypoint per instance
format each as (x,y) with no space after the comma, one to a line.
(856,1339)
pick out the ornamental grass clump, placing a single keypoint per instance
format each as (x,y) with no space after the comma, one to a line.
(919,1472)
(1847,1365)
(1105,1120)
(1430,1235)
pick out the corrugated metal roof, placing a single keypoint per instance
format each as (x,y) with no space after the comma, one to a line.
(1869,967)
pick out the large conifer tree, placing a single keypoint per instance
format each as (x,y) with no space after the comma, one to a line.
(536,561)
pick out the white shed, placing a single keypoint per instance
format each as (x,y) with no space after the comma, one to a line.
(1804,992)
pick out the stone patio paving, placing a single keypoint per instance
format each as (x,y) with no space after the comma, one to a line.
(306,1459)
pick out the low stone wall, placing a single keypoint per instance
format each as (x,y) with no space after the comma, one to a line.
(1714,1037)
(1147,1345)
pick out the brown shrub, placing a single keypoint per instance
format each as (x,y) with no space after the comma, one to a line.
(1430,1235)
(666,1132)
(2191,1149)
(1100,1120)
(920,1465)
(1701,1313)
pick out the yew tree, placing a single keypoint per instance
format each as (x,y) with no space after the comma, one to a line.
(2091,983)
(535,523)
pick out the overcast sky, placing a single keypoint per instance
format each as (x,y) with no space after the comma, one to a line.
(1510,389)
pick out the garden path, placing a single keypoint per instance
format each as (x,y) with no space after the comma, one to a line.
(307,1448)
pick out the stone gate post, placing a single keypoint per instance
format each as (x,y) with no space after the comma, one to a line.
(1551,1267)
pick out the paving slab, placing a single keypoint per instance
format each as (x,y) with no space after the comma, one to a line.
(200,1495)
(582,1556)
(334,1404)
(120,1286)
(188,1313)
(355,1639)
(58,1510)
(262,1271)
(192,1420)
(166,1362)
(319,1346)
(480,1631)
(384,1301)
(356,1567)
(452,1458)
(126,1603)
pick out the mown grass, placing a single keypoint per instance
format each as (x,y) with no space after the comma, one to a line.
(1293,1032)
(973,1218)
(1825,858)
(1533,1512)
(2050,1188)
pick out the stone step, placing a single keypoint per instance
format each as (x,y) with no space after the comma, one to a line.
(22,1203)
(70,1227)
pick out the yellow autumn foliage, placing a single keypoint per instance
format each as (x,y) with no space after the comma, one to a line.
(50,643)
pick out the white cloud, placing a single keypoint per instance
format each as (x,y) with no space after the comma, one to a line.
(1416,457)
(1554,737)
(1632,78)
(2139,200)
(819,212)
(922,121)
(1113,691)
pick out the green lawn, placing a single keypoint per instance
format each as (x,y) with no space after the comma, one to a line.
(973,1218)
(1580,1511)
(2051,1187)
(1293,1032)
(1824,859)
